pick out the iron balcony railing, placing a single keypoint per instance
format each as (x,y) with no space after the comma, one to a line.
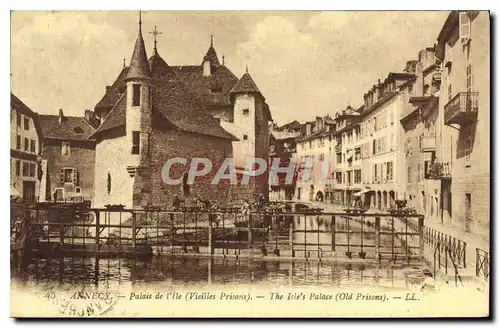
(439,170)
(462,107)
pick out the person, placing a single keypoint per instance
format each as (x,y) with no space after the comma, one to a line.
(176,204)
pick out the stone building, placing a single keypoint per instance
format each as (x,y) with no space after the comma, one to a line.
(382,159)
(68,157)
(314,149)
(155,112)
(463,134)
(25,147)
(347,156)
(419,143)
(283,146)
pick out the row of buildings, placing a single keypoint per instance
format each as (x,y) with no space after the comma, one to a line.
(421,134)
(152,112)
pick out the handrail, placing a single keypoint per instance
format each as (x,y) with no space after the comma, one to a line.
(447,253)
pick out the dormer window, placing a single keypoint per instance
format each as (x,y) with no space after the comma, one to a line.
(216,87)
(78,130)
(136,94)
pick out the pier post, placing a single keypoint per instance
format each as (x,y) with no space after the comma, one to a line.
(290,239)
(134,224)
(421,237)
(334,235)
(377,239)
(250,234)
(210,249)
(61,233)
(97,229)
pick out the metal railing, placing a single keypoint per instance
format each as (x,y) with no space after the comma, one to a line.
(463,101)
(447,256)
(482,264)
(457,247)
(193,231)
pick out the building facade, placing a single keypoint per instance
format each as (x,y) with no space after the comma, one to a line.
(463,135)
(155,112)
(25,148)
(347,174)
(315,165)
(382,159)
(68,157)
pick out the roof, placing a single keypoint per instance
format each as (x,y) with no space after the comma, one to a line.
(18,105)
(388,96)
(173,102)
(21,107)
(346,128)
(139,68)
(245,85)
(114,92)
(211,56)
(281,135)
(71,127)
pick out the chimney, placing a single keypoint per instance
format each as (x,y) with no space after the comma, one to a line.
(308,129)
(107,88)
(410,66)
(91,118)
(426,57)
(419,82)
(319,123)
(61,116)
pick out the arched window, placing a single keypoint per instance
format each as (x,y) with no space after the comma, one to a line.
(109,183)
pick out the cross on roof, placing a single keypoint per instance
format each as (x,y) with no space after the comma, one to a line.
(154,33)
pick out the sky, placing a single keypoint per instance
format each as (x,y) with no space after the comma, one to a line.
(306,63)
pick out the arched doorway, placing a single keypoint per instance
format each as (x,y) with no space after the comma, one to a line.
(319,196)
(311,193)
(379,200)
(392,199)
(384,200)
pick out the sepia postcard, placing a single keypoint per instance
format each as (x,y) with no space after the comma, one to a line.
(257,164)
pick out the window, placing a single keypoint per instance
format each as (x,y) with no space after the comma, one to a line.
(18,168)
(410,88)
(469,78)
(426,89)
(389,171)
(26,123)
(65,148)
(375,173)
(339,157)
(310,144)
(321,157)
(449,91)
(136,94)
(357,153)
(409,174)
(338,177)
(375,124)
(18,142)
(245,137)
(468,144)
(33,146)
(216,87)
(25,169)
(109,184)
(464,23)
(26,144)
(136,139)
(32,169)
(68,175)
(374,143)
(19,119)
(246,112)
(357,176)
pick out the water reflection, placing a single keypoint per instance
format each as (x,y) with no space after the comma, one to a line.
(184,271)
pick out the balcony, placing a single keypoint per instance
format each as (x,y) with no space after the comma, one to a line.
(439,171)
(428,144)
(462,109)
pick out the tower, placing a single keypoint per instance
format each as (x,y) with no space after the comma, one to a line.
(138,119)
(210,60)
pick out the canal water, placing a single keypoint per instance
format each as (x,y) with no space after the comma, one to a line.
(188,271)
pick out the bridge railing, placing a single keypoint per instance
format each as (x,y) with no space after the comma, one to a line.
(227,232)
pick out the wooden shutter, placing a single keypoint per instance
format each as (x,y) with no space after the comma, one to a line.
(61,176)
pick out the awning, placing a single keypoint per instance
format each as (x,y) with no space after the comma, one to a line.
(359,193)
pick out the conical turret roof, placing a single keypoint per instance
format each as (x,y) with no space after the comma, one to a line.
(245,84)
(139,67)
